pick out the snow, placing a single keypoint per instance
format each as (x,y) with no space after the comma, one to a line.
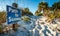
(35,28)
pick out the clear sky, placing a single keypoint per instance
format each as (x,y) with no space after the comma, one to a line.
(31,4)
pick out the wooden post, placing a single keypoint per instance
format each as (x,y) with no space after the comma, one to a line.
(14,27)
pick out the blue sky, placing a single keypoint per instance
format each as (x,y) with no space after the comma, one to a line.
(31,4)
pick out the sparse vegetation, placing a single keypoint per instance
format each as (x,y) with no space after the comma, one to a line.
(25,18)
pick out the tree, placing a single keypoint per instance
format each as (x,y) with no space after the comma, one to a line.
(42,6)
(56,5)
(57,13)
(2,17)
(15,5)
(38,13)
(26,11)
(0,29)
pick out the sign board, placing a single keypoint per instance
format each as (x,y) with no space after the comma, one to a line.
(13,14)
